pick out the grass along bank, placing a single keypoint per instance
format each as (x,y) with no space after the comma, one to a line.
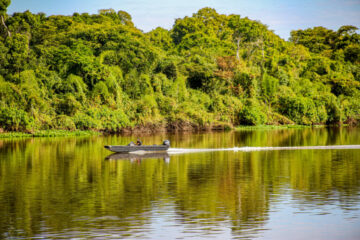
(276,127)
(49,133)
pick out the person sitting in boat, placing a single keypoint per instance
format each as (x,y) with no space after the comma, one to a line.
(166,142)
(138,142)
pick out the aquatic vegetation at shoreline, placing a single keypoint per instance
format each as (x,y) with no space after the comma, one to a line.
(270,127)
(48,133)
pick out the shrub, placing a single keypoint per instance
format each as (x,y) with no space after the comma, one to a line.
(252,114)
(113,120)
(13,119)
(83,121)
(101,90)
(64,122)
(68,105)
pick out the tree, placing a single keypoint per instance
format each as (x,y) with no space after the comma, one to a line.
(317,39)
(269,87)
(245,30)
(98,71)
(125,18)
(161,37)
(235,24)
(18,46)
(3,6)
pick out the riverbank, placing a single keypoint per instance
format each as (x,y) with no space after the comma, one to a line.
(49,133)
(277,127)
(152,130)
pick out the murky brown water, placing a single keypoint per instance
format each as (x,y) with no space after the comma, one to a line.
(66,188)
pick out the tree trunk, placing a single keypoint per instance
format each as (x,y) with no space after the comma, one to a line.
(6,28)
(238,49)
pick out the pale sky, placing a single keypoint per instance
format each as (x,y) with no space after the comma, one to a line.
(282,16)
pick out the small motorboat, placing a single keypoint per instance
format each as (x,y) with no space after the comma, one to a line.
(131,147)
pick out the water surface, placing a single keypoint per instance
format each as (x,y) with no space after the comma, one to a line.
(68,188)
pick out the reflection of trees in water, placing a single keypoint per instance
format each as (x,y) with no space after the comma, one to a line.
(221,188)
(243,195)
(56,184)
(332,177)
(65,184)
(297,137)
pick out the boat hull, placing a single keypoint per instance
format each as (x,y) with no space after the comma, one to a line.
(129,149)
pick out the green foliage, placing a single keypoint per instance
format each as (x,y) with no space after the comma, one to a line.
(248,83)
(201,73)
(252,114)
(48,133)
(269,87)
(226,107)
(113,120)
(101,91)
(64,122)
(99,72)
(330,43)
(15,119)
(317,39)
(178,90)
(18,51)
(342,83)
(67,105)
(83,121)
(3,6)
(167,67)
(74,85)
(162,38)
(299,109)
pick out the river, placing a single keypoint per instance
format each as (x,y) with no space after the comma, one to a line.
(231,187)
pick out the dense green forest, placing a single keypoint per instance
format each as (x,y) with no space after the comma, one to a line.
(99,72)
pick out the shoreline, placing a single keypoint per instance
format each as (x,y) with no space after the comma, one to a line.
(154,129)
(49,133)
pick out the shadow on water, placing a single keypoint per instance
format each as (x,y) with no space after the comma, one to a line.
(136,156)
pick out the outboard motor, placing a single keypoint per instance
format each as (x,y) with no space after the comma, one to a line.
(167,143)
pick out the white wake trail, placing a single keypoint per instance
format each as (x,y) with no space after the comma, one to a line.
(251,149)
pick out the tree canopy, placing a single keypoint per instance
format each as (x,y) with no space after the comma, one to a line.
(98,71)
